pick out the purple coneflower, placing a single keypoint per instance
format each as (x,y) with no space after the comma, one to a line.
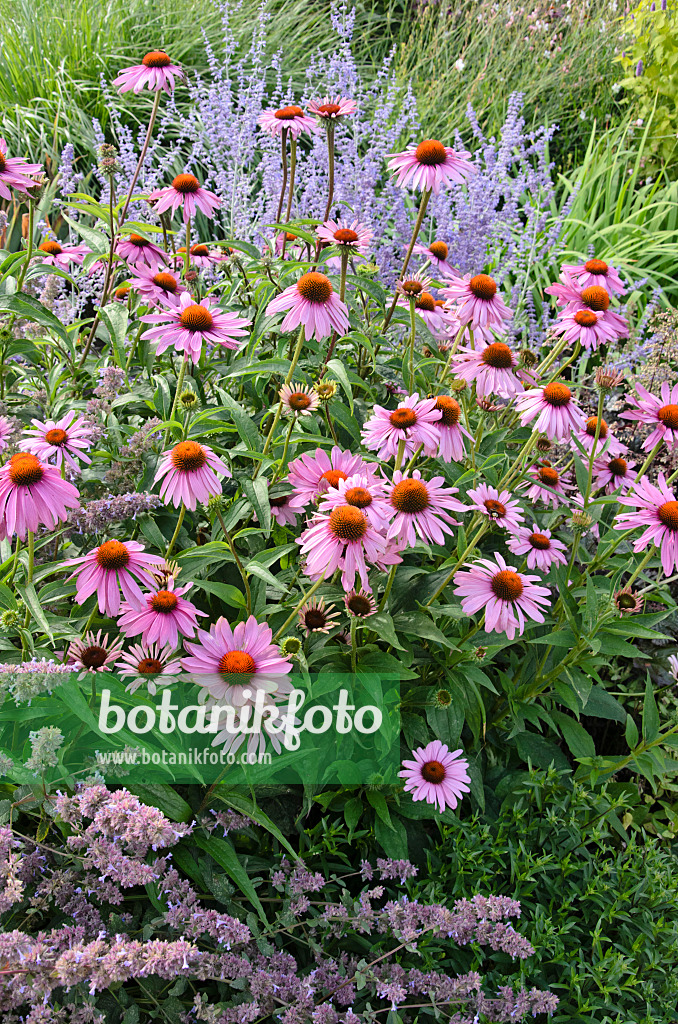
(421,509)
(185,191)
(436,253)
(342,540)
(65,440)
(586,326)
(431,165)
(162,617)
(661,413)
(555,409)
(156,72)
(498,507)
(656,510)
(437,775)
(108,568)
(478,303)
(312,302)
(541,548)
(547,480)
(586,435)
(15,173)
(451,445)
(492,367)
(312,474)
(94,652)
(156,285)
(57,255)
(135,250)
(360,603)
(595,272)
(33,494)
(414,422)
(362,491)
(298,399)
(354,236)
(148,664)
(332,108)
(190,471)
(317,617)
(200,256)
(613,473)
(292,118)
(188,324)
(508,597)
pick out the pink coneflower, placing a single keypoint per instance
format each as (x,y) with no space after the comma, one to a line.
(312,302)
(6,431)
(628,602)
(190,470)
(466,333)
(342,540)
(451,444)
(156,72)
(354,236)
(64,440)
(586,435)
(478,303)
(281,510)
(541,548)
(414,422)
(498,507)
(432,314)
(492,367)
(546,479)
(291,118)
(413,285)
(364,492)
(437,775)
(33,494)
(569,293)
(189,323)
(586,326)
(595,272)
(657,510)
(430,165)
(200,256)
(436,253)
(57,255)
(94,653)
(332,108)
(421,509)
(185,191)
(613,473)
(157,285)
(232,664)
(673,666)
(163,616)
(555,409)
(317,617)
(508,597)
(313,474)
(15,173)
(113,565)
(137,250)
(662,413)
(360,604)
(298,399)
(149,665)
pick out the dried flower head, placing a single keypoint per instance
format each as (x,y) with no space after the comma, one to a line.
(628,602)
(607,378)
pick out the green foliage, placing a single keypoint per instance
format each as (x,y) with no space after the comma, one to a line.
(603,908)
(651,70)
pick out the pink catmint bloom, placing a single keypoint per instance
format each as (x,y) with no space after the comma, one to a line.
(436,253)
(291,119)
(312,302)
(497,507)
(595,272)
(313,474)
(15,173)
(155,72)
(93,652)
(232,664)
(478,303)
(613,473)
(55,254)
(185,191)
(162,617)
(547,480)
(332,108)
(33,494)
(437,775)
(190,471)
(509,597)
(493,368)
(200,256)
(139,251)
(354,236)
(586,436)
(555,409)
(421,509)
(430,165)
(451,444)
(65,440)
(148,664)
(113,565)
(189,323)
(342,540)
(657,511)
(586,326)
(298,399)
(414,422)
(157,285)
(364,492)
(541,548)
(661,413)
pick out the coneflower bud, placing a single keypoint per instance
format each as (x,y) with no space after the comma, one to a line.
(9,619)
(216,504)
(191,277)
(290,647)
(528,357)
(37,189)
(480,653)
(6,335)
(188,399)
(108,160)
(581,521)
(325,390)
(628,602)
(543,444)
(458,385)
(442,698)
(367,269)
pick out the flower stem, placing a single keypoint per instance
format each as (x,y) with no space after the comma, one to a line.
(283,138)
(425,196)
(413,328)
(187,254)
(182,513)
(330,158)
(304,597)
(469,548)
(290,194)
(241,567)
(353,643)
(645,466)
(283,458)
(180,382)
(288,378)
(599,420)
(142,157)
(29,249)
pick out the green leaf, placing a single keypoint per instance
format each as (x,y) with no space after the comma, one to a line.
(602,704)
(243,423)
(227,593)
(257,494)
(226,857)
(420,625)
(382,624)
(30,597)
(650,714)
(353,812)
(575,735)
(165,799)
(29,308)
(116,317)
(392,840)
(540,751)
(336,367)
(631,733)
(378,801)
